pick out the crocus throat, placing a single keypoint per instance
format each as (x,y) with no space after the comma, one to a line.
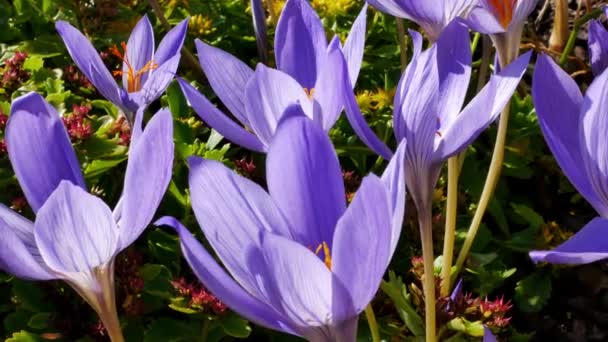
(503,10)
(133,76)
(327,254)
(309,92)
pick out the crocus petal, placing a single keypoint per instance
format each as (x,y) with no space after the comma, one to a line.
(147,176)
(454,67)
(233,211)
(221,285)
(227,76)
(598,47)
(171,44)
(586,246)
(358,123)
(355,45)
(312,197)
(269,92)
(300,42)
(522,11)
(158,81)
(593,136)
(304,287)
(258,16)
(482,110)
(394,181)
(430,15)
(75,231)
(39,149)
(328,91)
(482,20)
(487,335)
(88,61)
(18,252)
(218,120)
(391,7)
(558,103)
(140,50)
(361,245)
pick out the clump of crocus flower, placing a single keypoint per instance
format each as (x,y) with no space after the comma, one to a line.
(145,72)
(13,74)
(309,71)
(298,259)
(76,236)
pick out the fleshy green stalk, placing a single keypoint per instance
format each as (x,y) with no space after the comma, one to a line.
(402,43)
(426,235)
(103,299)
(488,188)
(450,224)
(373,324)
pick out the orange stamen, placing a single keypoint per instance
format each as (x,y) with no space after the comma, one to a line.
(327,254)
(504,10)
(133,76)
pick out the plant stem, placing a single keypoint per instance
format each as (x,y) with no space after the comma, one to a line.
(426,235)
(488,188)
(402,43)
(574,33)
(205,330)
(373,324)
(450,224)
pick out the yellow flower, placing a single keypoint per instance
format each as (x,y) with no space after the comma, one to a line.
(332,8)
(201,25)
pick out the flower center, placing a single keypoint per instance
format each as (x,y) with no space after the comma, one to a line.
(326,253)
(133,76)
(503,10)
(309,92)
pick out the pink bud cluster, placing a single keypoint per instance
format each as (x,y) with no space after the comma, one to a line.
(13,74)
(200,298)
(78,126)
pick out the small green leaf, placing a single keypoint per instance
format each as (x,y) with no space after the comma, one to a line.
(39,321)
(397,292)
(24,336)
(235,326)
(532,292)
(33,63)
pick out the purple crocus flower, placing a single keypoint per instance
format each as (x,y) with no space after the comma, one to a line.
(575,128)
(298,260)
(488,336)
(598,45)
(427,108)
(432,16)
(146,73)
(504,21)
(76,236)
(307,70)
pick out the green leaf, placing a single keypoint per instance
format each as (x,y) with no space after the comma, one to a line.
(169,330)
(157,280)
(177,102)
(100,166)
(464,326)
(235,326)
(24,336)
(397,292)
(530,216)
(39,321)
(532,292)
(33,63)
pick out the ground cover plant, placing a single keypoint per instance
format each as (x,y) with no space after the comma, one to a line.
(326,170)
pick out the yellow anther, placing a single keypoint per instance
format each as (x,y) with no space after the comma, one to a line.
(309,92)
(327,254)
